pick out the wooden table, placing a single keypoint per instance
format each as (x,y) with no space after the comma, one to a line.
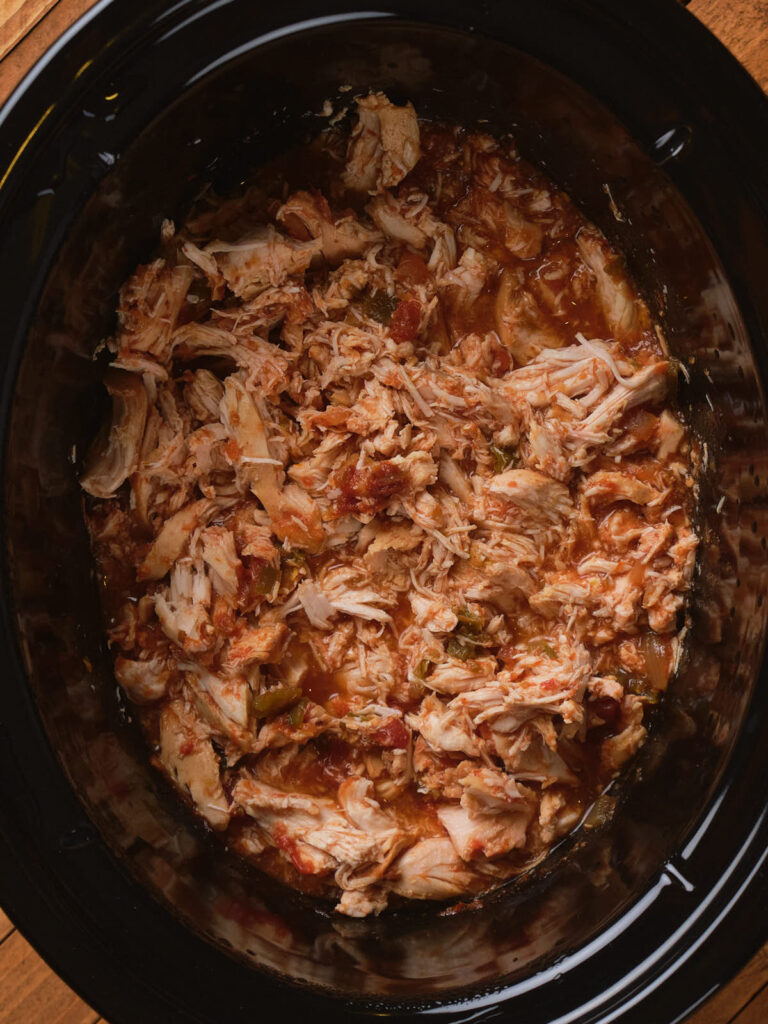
(30,993)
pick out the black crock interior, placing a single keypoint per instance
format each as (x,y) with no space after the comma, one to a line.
(164,925)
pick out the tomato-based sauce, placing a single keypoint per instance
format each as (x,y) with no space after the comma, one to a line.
(392,518)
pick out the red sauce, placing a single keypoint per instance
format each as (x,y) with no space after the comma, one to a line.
(320,686)
(392,734)
(404,325)
(416,811)
(368,490)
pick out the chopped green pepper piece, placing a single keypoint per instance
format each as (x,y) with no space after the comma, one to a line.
(470,622)
(502,457)
(461,649)
(267,578)
(422,668)
(379,306)
(271,702)
(297,712)
(547,649)
(642,688)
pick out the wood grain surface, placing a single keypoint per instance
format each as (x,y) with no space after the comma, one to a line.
(30,993)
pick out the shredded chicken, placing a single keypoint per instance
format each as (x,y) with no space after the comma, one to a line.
(392,512)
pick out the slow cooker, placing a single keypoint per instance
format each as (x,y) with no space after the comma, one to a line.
(662,139)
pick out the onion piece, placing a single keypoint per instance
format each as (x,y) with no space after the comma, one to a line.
(658,658)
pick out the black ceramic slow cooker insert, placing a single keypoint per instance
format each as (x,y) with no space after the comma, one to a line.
(116,884)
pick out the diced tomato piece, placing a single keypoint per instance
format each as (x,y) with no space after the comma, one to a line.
(404,325)
(392,734)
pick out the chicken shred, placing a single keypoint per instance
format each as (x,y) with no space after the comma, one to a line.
(391,504)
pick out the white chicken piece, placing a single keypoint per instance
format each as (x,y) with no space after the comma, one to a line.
(182,609)
(618,749)
(293,514)
(362,902)
(339,239)
(342,590)
(150,303)
(315,834)
(203,394)
(623,313)
(607,486)
(398,220)
(189,759)
(230,692)
(557,814)
(220,555)
(411,221)
(206,455)
(520,323)
(261,645)
(492,817)
(521,236)
(357,801)
(452,676)
(385,145)
(418,469)
(529,754)
(264,367)
(670,435)
(453,476)
(114,455)
(445,727)
(312,473)
(558,444)
(174,538)
(263,259)
(144,680)
(535,493)
(431,870)
(502,584)
(433,613)
(470,274)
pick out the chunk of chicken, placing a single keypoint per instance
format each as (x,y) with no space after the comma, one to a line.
(262,645)
(144,680)
(114,455)
(220,555)
(445,728)
(173,539)
(431,870)
(265,258)
(182,609)
(623,313)
(230,692)
(150,303)
(534,493)
(520,323)
(608,486)
(617,750)
(292,512)
(189,759)
(203,394)
(492,817)
(385,145)
(339,239)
